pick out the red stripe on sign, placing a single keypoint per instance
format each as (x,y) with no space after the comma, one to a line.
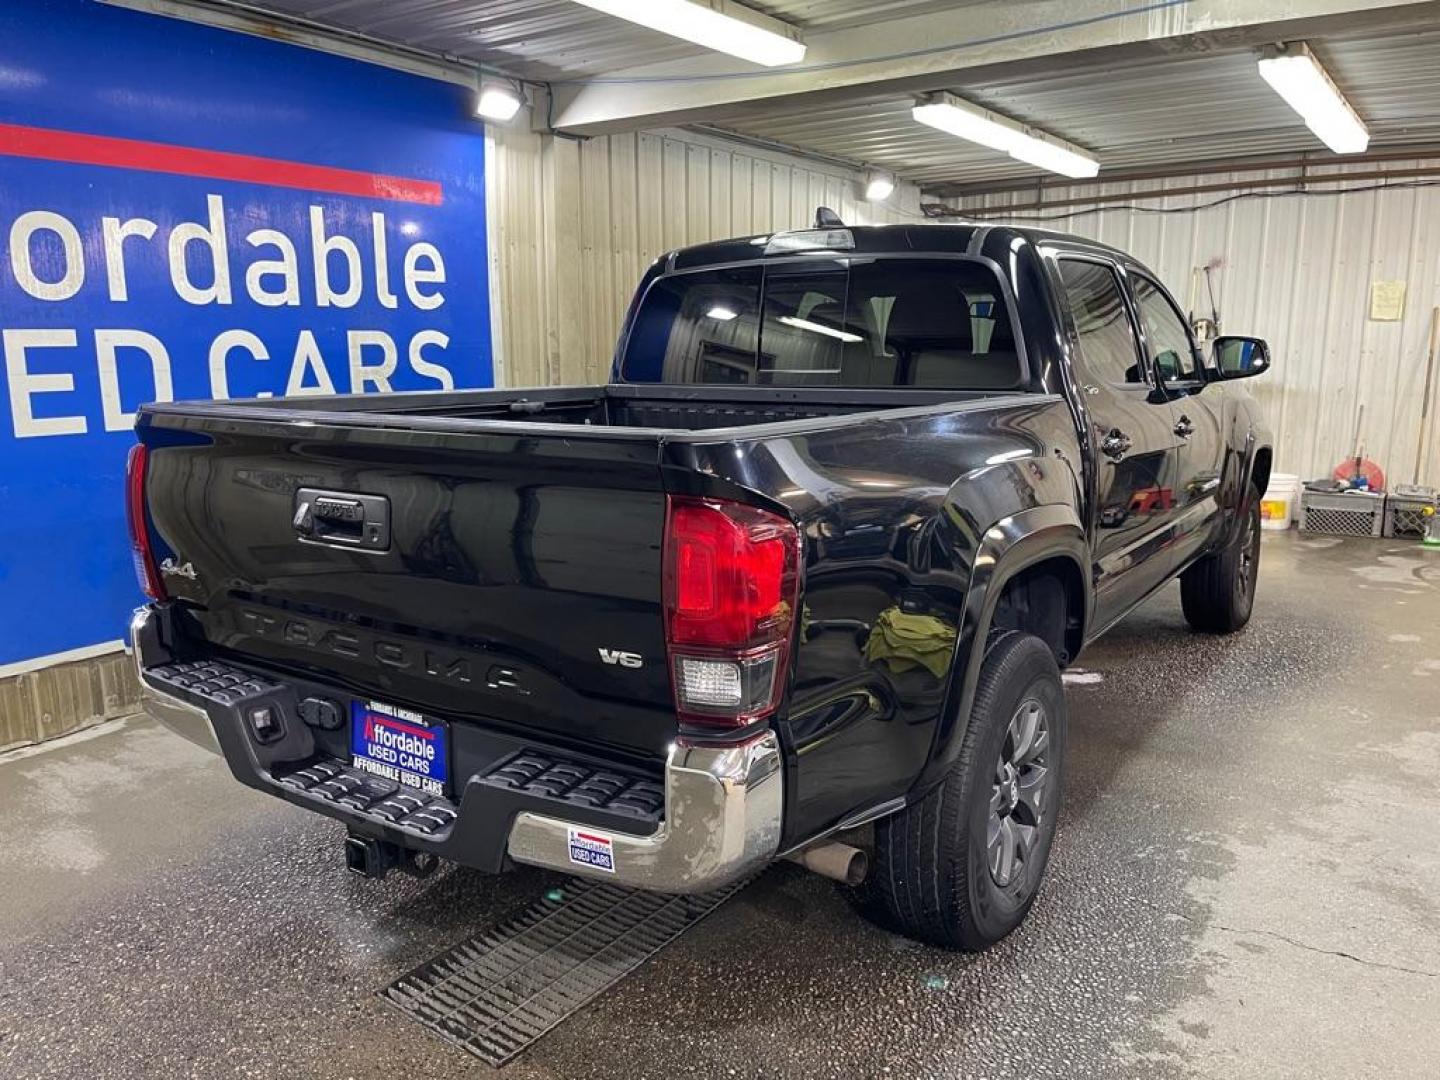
(17,140)
(391,722)
(592,839)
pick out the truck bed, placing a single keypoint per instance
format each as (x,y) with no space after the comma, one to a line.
(518,586)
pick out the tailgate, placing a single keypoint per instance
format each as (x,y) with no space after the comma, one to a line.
(498,577)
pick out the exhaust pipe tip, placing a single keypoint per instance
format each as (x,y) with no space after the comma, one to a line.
(857,867)
(839,862)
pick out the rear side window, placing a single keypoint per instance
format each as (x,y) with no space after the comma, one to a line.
(931,323)
(1109,348)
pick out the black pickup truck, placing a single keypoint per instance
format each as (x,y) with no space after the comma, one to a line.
(799,581)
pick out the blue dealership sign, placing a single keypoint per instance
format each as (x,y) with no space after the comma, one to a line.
(187,213)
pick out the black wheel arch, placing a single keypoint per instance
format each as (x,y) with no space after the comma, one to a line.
(1260,464)
(1256,464)
(1250,453)
(1048,539)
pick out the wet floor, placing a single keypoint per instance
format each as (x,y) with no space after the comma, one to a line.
(1246,883)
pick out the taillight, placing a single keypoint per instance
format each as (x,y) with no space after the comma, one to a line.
(146,571)
(731,587)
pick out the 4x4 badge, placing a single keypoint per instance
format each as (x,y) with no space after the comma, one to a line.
(171,568)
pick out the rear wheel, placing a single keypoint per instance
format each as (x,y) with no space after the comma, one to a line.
(961,867)
(1218,592)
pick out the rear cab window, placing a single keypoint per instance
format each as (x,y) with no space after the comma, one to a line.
(849,323)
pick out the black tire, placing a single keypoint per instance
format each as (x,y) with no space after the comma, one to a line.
(932,877)
(1217,593)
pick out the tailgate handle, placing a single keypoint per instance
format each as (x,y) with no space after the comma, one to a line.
(342,519)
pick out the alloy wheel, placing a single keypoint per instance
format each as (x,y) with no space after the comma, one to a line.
(1019,796)
(1249,555)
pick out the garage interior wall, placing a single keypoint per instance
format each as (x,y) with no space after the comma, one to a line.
(1297,270)
(573,225)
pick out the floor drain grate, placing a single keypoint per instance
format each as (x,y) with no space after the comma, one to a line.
(497,993)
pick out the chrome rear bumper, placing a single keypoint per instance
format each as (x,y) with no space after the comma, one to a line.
(723,807)
(190,722)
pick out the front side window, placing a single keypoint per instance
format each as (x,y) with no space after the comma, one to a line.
(1108,345)
(925,323)
(1166,338)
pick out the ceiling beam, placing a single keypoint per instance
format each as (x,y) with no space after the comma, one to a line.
(1300,160)
(960,46)
(1388,177)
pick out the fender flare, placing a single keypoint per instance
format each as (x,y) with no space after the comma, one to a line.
(1246,474)
(1009,546)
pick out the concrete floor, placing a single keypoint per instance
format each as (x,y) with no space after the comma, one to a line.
(1246,883)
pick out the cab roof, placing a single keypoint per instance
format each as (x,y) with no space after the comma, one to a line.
(943,237)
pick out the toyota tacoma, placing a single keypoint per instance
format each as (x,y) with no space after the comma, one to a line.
(798,581)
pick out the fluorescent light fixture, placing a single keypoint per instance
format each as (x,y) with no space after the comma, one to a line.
(497,101)
(721,25)
(1056,159)
(879,186)
(952,115)
(720,312)
(819,328)
(1295,74)
(966,121)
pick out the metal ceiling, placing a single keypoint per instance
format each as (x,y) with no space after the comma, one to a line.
(549,40)
(1145,113)
(1159,112)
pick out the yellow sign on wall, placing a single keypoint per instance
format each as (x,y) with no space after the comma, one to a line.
(1387,300)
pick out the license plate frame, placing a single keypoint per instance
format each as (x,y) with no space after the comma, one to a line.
(400,744)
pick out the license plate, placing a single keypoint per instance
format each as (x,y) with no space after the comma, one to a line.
(400,745)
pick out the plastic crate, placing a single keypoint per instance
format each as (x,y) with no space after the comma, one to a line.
(1405,510)
(1347,513)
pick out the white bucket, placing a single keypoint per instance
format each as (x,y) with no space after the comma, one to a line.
(1277,505)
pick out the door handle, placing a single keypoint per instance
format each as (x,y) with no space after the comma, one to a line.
(1184,427)
(1116,444)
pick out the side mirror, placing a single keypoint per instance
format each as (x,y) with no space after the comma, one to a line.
(1239,357)
(1168,362)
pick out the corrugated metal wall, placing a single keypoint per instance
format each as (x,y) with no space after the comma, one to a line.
(574,224)
(56,700)
(1297,270)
